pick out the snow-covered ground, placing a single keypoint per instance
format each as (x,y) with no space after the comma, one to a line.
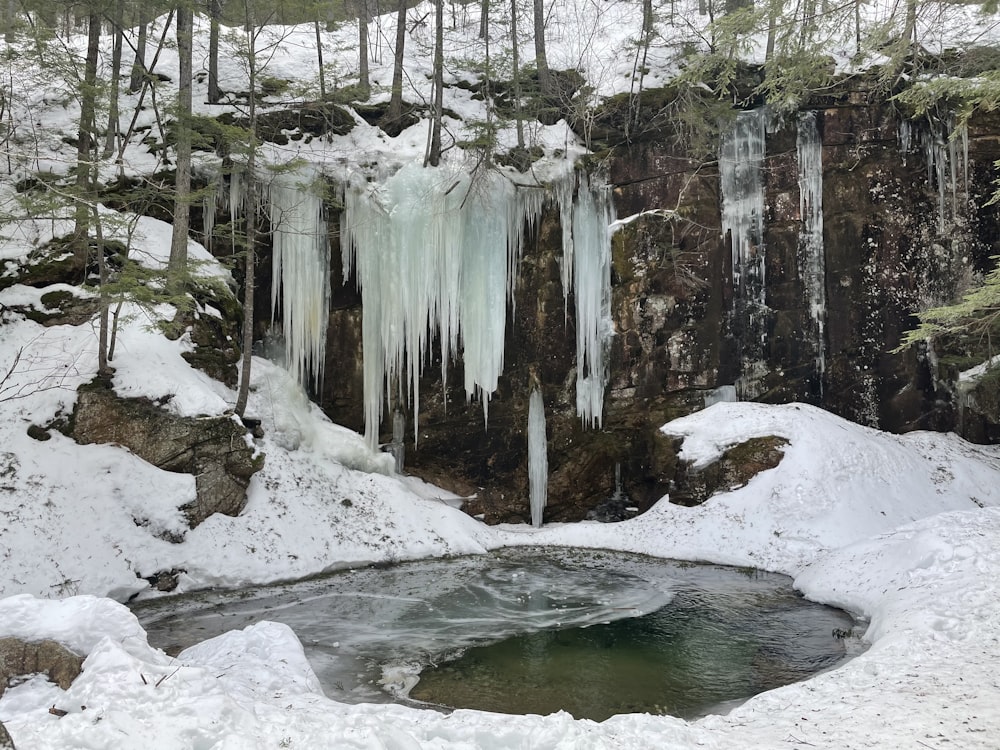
(902,530)
(892,528)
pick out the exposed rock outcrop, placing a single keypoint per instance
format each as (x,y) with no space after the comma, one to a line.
(897,236)
(218,450)
(736,466)
(6,743)
(20,658)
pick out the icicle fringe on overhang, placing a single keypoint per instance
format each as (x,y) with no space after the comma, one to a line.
(436,254)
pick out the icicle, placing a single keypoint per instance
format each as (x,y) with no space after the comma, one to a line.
(235,197)
(591,263)
(812,260)
(564,196)
(538,461)
(435,254)
(209,204)
(905,137)
(301,272)
(946,147)
(721,395)
(397,448)
(741,159)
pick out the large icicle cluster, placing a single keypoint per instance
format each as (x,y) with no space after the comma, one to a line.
(812,254)
(538,460)
(436,254)
(741,159)
(587,253)
(301,260)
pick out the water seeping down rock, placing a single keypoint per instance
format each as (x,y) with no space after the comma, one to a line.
(847,217)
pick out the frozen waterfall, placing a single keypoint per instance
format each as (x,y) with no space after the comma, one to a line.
(436,256)
(741,160)
(538,461)
(301,261)
(812,260)
(586,270)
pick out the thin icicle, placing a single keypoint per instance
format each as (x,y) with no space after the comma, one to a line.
(812,254)
(946,147)
(538,460)
(590,259)
(301,272)
(741,159)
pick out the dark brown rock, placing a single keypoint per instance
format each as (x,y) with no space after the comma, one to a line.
(216,450)
(20,658)
(6,743)
(678,336)
(734,469)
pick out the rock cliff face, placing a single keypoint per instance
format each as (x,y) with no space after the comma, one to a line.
(216,450)
(862,218)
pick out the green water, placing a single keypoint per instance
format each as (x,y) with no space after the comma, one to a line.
(591,632)
(685,660)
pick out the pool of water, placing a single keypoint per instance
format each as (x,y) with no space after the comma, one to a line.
(590,632)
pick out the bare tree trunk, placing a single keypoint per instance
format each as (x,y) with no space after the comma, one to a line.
(139,65)
(85,137)
(910,32)
(177,265)
(214,14)
(116,72)
(434,153)
(395,110)
(8,19)
(250,214)
(772,28)
(102,272)
(541,61)
(484,19)
(515,62)
(364,82)
(319,60)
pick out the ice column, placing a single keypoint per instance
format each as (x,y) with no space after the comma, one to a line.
(301,272)
(812,260)
(435,254)
(741,159)
(587,255)
(538,461)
